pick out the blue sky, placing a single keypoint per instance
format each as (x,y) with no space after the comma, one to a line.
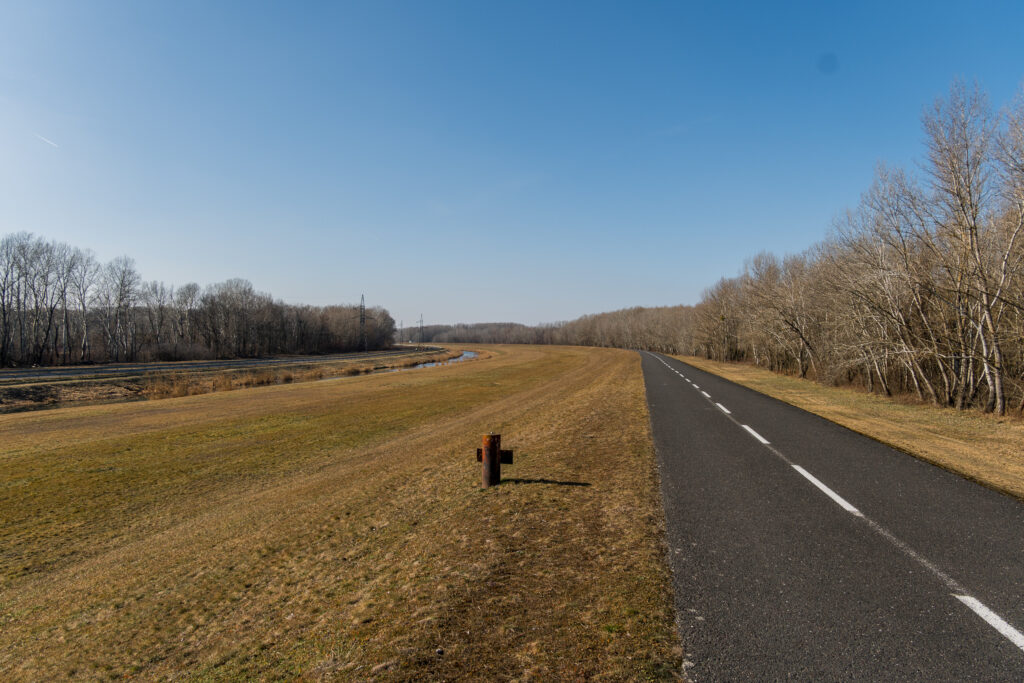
(470,161)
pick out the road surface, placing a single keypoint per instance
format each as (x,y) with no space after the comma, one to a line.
(8,375)
(802,550)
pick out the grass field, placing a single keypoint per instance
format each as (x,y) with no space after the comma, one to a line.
(983,448)
(336,530)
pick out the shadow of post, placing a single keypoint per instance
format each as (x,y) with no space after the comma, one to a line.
(513,480)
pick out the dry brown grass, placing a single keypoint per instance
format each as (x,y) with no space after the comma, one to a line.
(336,530)
(194,383)
(983,448)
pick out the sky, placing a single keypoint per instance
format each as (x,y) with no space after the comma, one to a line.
(469,161)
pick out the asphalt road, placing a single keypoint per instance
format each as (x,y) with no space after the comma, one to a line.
(802,550)
(130,369)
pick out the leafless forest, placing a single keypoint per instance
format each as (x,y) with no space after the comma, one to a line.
(918,290)
(59,305)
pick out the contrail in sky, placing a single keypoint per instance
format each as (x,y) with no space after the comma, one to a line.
(49,142)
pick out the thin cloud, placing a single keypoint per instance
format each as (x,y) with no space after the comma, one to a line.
(671,131)
(47,141)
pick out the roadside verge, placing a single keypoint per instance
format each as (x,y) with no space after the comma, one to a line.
(982,448)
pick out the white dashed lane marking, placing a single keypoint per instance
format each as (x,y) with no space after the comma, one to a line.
(975,605)
(756,435)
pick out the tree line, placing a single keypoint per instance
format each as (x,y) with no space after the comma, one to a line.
(919,289)
(665,329)
(60,305)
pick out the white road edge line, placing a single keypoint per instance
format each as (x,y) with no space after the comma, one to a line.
(723,409)
(706,394)
(828,492)
(993,619)
(695,386)
(755,435)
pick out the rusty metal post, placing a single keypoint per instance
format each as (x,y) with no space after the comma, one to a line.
(492,458)
(491,474)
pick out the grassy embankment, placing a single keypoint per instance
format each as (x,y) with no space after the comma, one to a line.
(21,395)
(981,447)
(337,530)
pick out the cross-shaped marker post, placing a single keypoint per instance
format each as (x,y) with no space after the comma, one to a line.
(492,458)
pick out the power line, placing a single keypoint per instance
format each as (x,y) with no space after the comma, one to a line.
(362,319)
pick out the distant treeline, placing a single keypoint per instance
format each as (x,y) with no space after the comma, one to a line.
(481,333)
(59,305)
(666,329)
(919,289)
